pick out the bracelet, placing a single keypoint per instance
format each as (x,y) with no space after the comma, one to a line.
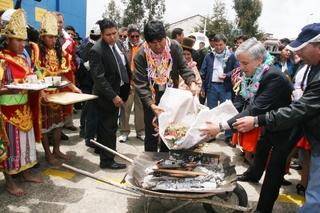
(221,127)
(255,121)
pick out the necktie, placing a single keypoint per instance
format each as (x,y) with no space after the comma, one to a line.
(122,69)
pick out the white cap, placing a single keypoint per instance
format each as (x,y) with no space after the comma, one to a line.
(7,14)
(95,30)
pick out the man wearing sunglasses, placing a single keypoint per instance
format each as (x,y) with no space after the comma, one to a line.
(132,45)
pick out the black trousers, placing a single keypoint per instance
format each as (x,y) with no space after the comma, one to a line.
(151,141)
(280,146)
(107,129)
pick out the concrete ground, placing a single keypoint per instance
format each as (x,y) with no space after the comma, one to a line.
(67,191)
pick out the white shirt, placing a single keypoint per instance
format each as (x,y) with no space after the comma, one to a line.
(217,70)
(284,67)
(122,58)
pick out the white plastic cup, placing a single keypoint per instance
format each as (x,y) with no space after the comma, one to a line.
(56,80)
(48,80)
(32,79)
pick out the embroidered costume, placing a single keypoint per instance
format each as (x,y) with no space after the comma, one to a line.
(48,64)
(19,119)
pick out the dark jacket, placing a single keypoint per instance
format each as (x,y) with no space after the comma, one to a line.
(274,92)
(305,111)
(207,69)
(105,74)
(291,68)
(83,75)
(179,67)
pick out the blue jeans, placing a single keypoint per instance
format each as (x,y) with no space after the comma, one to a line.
(217,92)
(312,195)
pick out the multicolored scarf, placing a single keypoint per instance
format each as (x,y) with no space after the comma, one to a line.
(222,57)
(250,84)
(159,65)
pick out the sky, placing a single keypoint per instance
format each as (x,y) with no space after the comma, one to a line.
(282,18)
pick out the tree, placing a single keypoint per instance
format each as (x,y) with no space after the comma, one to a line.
(217,23)
(140,12)
(248,11)
(112,11)
(133,13)
(155,9)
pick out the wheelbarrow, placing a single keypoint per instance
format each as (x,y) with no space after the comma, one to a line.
(235,200)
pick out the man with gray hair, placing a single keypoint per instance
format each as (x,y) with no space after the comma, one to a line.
(305,112)
(259,93)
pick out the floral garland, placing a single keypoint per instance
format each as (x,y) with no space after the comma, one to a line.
(222,57)
(159,65)
(250,85)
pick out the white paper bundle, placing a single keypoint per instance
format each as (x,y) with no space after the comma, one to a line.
(182,110)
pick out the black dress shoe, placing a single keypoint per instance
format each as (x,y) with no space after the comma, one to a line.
(246,178)
(89,144)
(64,136)
(112,165)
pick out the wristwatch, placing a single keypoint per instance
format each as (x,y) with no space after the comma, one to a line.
(255,122)
(221,127)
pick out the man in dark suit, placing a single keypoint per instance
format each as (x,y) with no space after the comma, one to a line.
(110,72)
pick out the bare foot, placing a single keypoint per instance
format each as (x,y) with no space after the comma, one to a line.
(28,177)
(12,187)
(53,161)
(61,155)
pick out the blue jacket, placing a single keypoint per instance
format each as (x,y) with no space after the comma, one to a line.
(207,69)
(290,65)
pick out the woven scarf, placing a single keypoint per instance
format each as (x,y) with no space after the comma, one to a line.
(250,85)
(159,65)
(222,57)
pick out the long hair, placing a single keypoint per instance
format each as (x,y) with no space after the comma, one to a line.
(57,47)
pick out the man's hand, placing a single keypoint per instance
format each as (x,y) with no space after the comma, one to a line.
(44,95)
(193,88)
(244,124)
(222,76)
(156,109)
(210,131)
(202,93)
(117,101)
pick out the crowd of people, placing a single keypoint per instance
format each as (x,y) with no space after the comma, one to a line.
(276,94)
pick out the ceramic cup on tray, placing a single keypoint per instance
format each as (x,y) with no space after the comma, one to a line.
(56,80)
(48,80)
(32,79)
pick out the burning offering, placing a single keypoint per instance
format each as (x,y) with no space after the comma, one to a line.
(183,171)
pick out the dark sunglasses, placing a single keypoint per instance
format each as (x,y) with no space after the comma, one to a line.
(123,36)
(134,36)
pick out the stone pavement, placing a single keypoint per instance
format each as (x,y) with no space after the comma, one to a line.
(66,191)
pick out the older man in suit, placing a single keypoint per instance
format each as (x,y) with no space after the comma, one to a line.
(110,72)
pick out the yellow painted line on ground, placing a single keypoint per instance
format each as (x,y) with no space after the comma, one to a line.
(59,173)
(286,198)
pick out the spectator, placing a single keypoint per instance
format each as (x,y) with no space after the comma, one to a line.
(177,34)
(110,72)
(133,43)
(89,116)
(216,75)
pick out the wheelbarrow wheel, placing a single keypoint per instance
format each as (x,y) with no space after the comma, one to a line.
(237,197)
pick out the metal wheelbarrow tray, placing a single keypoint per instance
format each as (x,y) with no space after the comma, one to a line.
(230,197)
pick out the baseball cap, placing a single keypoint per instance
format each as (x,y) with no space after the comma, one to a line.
(95,30)
(309,33)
